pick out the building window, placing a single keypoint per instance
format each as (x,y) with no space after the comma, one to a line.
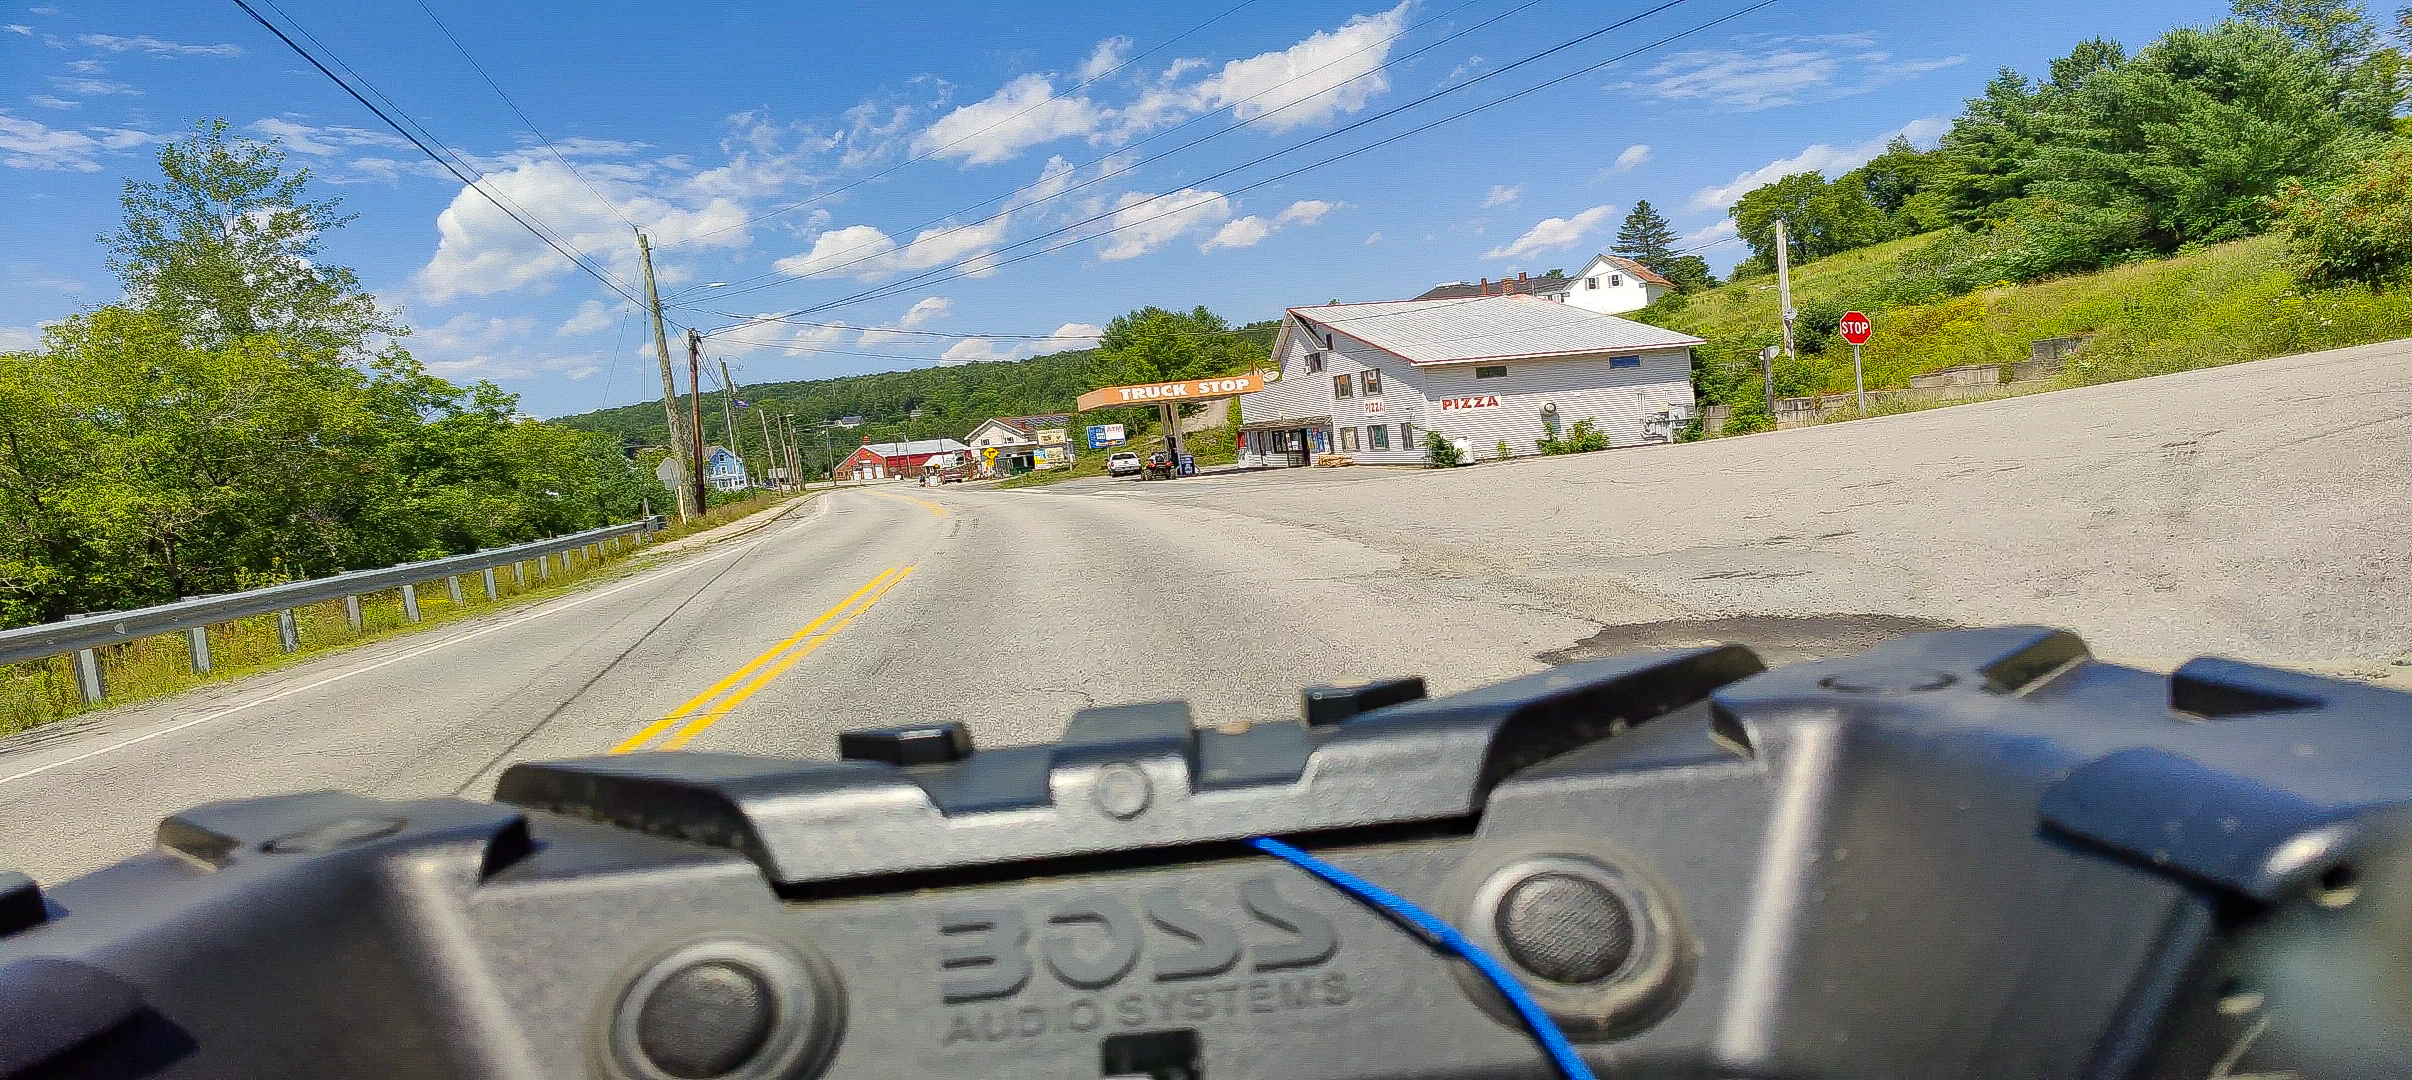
(1499,372)
(1314,361)
(1591,283)
(1340,385)
(1616,279)
(1377,438)
(1372,381)
(1327,341)
(1624,361)
(1406,436)
(1348,439)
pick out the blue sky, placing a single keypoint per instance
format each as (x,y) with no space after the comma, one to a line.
(806,153)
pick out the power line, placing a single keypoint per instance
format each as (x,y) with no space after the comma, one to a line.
(523,117)
(1083,85)
(1103,176)
(987,260)
(447,164)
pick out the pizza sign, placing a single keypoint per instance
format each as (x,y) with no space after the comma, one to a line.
(1461,404)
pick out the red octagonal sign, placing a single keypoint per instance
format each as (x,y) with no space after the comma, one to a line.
(1855,328)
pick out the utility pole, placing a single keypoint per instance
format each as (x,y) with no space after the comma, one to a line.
(661,348)
(703,488)
(770,448)
(728,412)
(1784,298)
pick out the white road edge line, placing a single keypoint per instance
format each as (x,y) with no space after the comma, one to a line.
(363,669)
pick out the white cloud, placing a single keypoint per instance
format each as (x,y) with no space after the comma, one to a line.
(1023,114)
(592,316)
(927,310)
(149,44)
(126,138)
(1239,233)
(1373,238)
(1720,229)
(88,67)
(48,102)
(387,169)
(1552,233)
(1634,157)
(20,338)
(1777,70)
(1502,195)
(466,331)
(91,87)
(866,252)
(1142,224)
(1330,73)
(1820,157)
(1066,338)
(1109,55)
(1305,212)
(481,251)
(30,144)
(18,28)
(979,350)
(333,139)
(1074,335)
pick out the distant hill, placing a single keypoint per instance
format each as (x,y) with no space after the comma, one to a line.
(952,401)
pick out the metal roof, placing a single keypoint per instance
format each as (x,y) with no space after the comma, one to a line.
(1488,328)
(918,446)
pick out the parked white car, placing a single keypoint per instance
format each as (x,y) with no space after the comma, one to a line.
(1124,464)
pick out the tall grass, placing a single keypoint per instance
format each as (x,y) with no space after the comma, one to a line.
(2218,305)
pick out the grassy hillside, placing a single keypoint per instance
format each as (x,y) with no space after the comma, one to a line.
(2218,305)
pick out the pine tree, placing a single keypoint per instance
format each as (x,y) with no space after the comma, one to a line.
(1646,238)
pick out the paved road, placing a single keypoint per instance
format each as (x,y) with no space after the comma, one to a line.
(2255,511)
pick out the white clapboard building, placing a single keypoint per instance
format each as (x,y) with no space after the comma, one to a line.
(1368,380)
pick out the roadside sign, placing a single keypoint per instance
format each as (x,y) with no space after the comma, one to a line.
(1103,435)
(1170,392)
(1856,327)
(988,454)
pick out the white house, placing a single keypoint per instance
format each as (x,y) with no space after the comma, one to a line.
(1024,442)
(723,471)
(1369,380)
(1610,285)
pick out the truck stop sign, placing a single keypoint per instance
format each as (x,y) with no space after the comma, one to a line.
(1856,327)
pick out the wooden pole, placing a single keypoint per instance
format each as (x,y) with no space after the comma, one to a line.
(661,349)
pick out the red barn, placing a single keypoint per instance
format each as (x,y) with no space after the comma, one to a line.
(880,461)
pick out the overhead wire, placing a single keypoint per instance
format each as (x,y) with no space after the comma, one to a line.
(782,277)
(523,117)
(1083,85)
(986,261)
(499,202)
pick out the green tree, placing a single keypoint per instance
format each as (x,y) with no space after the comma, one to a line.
(1156,345)
(1987,150)
(2193,136)
(1646,238)
(1688,273)
(2359,228)
(2336,30)
(1820,219)
(227,245)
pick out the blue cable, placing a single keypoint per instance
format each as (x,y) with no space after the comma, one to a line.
(1544,1030)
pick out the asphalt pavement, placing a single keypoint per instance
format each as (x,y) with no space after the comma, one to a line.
(2256,511)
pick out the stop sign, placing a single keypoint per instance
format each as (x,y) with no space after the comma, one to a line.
(1855,328)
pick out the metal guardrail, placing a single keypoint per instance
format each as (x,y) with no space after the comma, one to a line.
(84,633)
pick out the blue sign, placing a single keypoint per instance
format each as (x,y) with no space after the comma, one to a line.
(1105,435)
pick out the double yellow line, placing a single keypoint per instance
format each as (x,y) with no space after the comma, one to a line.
(932,507)
(719,699)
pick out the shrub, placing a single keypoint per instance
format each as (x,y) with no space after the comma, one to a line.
(1440,453)
(2357,229)
(1584,438)
(1749,418)
(1505,451)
